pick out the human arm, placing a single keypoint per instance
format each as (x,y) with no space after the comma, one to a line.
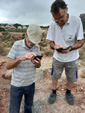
(12,63)
(77,45)
(55,46)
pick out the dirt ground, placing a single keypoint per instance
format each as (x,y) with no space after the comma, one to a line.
(43,89)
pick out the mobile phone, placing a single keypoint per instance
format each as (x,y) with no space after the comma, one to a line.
(38,56)
(59,49)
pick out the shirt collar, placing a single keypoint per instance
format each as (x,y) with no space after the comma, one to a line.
(68,22)
(23,43)
(68,19)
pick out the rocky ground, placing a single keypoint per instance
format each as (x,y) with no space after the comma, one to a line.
(43,89)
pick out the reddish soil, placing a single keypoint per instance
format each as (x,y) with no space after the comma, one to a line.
(43,89)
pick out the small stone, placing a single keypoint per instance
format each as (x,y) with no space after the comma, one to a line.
(82,106)
(62,89)
(83,75)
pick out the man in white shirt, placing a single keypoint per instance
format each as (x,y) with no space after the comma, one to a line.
(66,36)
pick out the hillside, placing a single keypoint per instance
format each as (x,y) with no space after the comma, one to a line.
(43,80)
(82,16)
(43,89)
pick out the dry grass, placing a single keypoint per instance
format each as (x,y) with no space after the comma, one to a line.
(44,46)
(6,45)
(82,53)
(3,50)
(47,51)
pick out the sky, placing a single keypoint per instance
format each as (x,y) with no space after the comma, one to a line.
(27,12)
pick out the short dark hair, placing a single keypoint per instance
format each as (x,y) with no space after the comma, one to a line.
(58,4)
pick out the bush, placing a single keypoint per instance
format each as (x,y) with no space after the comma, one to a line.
(47,51)
(82,53)
(3,51)
(44,42)
(2,29)
(5,33)
(23,36)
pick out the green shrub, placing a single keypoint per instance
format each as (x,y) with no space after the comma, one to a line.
(23,36)
(2,29)
(5,33)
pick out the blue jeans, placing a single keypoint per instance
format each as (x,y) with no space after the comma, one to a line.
(16,94)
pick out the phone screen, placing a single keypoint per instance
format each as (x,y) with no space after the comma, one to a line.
(59,49)
(38,56)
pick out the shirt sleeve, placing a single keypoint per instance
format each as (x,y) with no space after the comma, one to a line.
(12,53)
(50,33)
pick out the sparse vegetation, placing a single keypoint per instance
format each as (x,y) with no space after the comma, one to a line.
(7,40)
(3,50)
(2,29)
(23,36)
(82,53)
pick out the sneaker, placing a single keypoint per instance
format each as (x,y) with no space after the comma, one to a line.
(69,98)
(52,98)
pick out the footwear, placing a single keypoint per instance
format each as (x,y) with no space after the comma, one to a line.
(69,98)
(52,98)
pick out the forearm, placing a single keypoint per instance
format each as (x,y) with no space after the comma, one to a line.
(52,45)
(55,46)
(78,44)
(13,63)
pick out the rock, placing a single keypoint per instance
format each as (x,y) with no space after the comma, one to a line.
(7,74)
(1,63)
(83,72)
(39,74)
(37,106)
(82,106)
(83,75)
(79,64)
(42,72)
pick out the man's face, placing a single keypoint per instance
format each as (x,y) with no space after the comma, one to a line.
(28,42)
(61,17)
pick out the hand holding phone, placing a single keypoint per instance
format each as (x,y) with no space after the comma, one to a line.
(38,56)
(59,49)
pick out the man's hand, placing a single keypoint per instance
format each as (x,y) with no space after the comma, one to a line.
(27,56)
(65,51)
(57,46)
(36,62)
